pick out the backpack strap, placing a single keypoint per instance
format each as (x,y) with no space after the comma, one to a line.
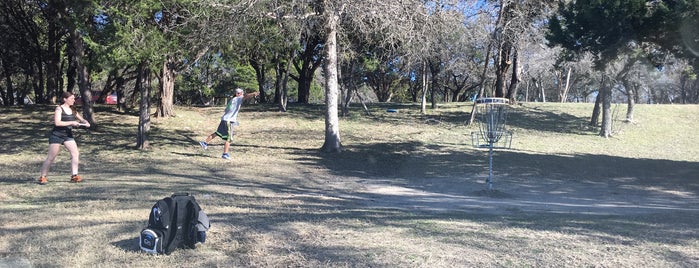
(183,233)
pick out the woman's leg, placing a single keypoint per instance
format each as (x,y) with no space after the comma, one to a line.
(53,151)
(74,156)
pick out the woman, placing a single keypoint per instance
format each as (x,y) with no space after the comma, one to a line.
(64,119)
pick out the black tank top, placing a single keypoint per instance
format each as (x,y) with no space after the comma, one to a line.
(65,117)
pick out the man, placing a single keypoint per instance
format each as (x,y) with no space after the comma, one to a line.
(228,120)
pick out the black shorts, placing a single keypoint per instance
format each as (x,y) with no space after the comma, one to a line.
(225,130)
(60,136)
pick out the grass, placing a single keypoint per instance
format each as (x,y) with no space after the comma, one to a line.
(408,190)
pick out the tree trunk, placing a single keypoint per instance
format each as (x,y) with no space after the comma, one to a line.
(630,105)
(481,90)
(304,89)
(143,84)
(514,82)
(10,92)
(423,99)
(72,70)
(594,119)
(332,125)
(566,88)
(501,68)
(84,81)
(309,63)
(526,91)
(119,85)
(38,74)
(345,96)
(167,89)
(606,129)
(22,94)
(630,87)
(282,70)
(543,92)
(278,74)
(53,57)
(284,100)
(434,71)
(260,71)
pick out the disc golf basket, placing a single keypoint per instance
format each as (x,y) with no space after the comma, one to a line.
(491,114)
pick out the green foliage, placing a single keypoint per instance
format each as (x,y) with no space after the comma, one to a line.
(673,26)
(601,27)
(401,93)
(317,93)
(605,28)
(216,75)
(136,37)
(189,89)
(245,78)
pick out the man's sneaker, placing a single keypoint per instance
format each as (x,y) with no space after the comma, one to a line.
(43,180)
(75,178)
(226,156)
(204,145)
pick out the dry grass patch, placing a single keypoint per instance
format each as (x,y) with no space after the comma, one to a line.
(406,192)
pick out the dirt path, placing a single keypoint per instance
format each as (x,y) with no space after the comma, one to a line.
(458,194)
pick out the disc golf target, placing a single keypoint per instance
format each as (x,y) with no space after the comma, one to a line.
(491,114)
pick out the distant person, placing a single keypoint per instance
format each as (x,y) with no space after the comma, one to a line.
(228,121)
(64,119)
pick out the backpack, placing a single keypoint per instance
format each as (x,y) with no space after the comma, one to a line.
(174,222)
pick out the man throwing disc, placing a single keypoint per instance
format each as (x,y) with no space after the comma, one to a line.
(228,120)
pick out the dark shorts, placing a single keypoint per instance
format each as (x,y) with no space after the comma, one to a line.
(225,130)
(60,137)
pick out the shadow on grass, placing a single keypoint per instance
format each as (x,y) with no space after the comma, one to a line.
(31,126)
(308,200)
(419,160)
(129,245)
(424,174)
(418,177)
(526,118)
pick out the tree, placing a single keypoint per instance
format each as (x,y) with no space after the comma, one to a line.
(307,62)
(332,125)
(603,28)
(382,76)
(20,51)
(394,19)
(442,38)
(516,17)
(81,25)
(186,38)
(513,19)
(607,29)
(137,42)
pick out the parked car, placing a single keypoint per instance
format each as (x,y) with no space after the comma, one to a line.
(111,99)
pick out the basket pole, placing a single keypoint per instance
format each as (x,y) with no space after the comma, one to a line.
(492,127)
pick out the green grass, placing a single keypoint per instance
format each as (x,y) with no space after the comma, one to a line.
(407,191)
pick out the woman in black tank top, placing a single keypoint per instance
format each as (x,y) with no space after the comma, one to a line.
(64,119)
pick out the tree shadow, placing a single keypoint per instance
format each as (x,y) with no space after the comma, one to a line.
(401,183)
(411,171)
(526,118)
(425,173)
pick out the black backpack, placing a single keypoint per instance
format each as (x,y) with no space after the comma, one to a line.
(174,222)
